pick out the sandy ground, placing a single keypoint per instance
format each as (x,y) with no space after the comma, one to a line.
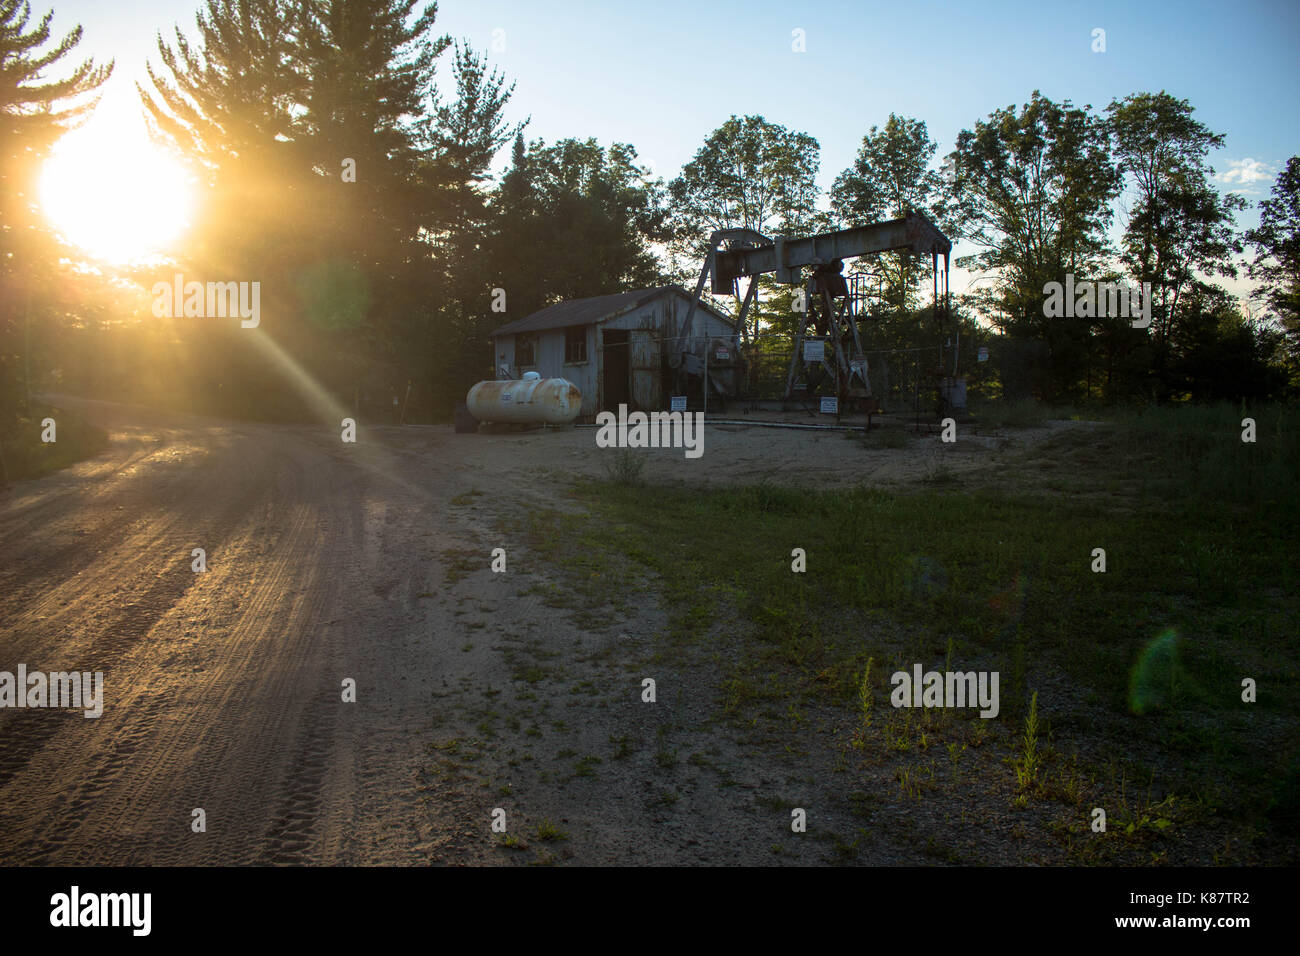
(330,561)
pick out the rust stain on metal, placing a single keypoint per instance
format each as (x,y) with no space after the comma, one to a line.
(551,401)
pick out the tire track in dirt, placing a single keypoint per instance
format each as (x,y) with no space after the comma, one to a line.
(89,784)
(49,535)
(289,838)
(327,561)
(149,568)
(230,736)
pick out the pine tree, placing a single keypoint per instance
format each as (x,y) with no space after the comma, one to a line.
(34,113)
(229,105)
(338,171)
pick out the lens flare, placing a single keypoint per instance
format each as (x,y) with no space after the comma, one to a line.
(1156,675)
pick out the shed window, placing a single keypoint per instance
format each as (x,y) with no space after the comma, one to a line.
(575,343)
(525,350)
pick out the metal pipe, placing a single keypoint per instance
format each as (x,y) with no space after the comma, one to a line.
(708,347)
(730,421)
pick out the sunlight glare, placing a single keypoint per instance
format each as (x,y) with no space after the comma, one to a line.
(108,189)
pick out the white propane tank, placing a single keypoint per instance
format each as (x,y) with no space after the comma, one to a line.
(536,400)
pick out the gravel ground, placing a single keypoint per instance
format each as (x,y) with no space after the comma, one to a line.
(371,562)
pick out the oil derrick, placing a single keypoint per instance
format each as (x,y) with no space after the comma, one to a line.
(828,357)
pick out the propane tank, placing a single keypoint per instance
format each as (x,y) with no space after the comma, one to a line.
(535,400)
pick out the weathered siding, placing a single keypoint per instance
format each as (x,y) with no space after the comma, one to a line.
(648,316)
(648,327)
(550,354)
(503,354)
(723,330)
(703,322)
(644,326)
(647,369)
(581,374)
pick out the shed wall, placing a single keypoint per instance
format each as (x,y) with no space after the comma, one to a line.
(649,323)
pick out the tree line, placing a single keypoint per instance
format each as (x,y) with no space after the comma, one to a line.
(344,151)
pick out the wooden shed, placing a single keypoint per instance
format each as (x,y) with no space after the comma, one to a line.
(615,348)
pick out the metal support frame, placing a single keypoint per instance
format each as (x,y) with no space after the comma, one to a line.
(733,239)
(832,308)
(786,256)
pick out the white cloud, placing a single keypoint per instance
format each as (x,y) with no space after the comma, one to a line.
(1245,171)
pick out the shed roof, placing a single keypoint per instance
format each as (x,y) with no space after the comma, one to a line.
(593,310)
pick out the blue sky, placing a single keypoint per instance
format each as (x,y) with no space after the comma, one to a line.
(661,75)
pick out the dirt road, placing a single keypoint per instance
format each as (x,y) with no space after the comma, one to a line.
(222,689)
(370,561)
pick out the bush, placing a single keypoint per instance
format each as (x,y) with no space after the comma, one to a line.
(626,467)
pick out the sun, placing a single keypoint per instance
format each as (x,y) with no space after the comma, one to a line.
(109,190)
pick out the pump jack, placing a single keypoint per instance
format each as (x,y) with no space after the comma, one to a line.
(831,307)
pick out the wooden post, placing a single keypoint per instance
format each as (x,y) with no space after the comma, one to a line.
(707,343)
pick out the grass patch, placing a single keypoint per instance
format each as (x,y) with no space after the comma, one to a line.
(1020,414)
(549,832)
(1199,531)
(626,467)
(24,455)
(894,437)
(461,562)
(1031,761)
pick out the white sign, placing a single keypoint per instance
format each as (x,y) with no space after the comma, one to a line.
(722,355)
(814,351)
(830,406)
(983,354)
(678,403)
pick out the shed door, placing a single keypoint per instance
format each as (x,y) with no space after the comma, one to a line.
(645,370)
(616,366)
